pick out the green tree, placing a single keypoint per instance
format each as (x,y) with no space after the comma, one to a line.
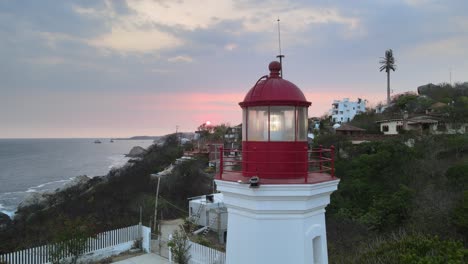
(457,176)
(367,121)
(180,247)
(374,185)
(388,64)
(460,216)
(71,239)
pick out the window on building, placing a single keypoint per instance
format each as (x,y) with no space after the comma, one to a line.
(399,128)
(385,128)
(341,119)
(441,127)
(349,119)
(354,108)
(341,112)
(317,249)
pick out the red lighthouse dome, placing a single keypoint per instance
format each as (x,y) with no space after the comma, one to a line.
(274,137)
(274,90)
(274,132)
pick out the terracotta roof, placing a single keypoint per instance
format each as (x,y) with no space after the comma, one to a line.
(389,120)
(422,120)
(348,127)
(437,105)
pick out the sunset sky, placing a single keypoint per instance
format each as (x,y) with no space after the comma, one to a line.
(123,68)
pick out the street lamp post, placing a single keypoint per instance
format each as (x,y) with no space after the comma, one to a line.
(156,203)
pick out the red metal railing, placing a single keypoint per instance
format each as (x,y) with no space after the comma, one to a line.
(320,161)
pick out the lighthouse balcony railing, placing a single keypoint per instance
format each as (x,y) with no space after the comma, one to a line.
(320,164)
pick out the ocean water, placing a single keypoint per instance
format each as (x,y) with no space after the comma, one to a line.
(39,165)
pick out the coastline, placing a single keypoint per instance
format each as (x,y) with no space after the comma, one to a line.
(10,200)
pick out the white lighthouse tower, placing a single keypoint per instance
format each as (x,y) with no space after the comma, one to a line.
(276,202)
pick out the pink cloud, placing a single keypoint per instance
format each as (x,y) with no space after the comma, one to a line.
(95,114)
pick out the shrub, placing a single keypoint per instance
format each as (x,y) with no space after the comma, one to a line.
(414,249)
(180,247)
(460,216)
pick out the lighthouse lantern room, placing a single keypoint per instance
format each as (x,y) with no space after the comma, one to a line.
(275,188)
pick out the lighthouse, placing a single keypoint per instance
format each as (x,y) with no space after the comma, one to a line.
(275,188)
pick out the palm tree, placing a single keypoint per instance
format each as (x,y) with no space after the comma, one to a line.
(388,63)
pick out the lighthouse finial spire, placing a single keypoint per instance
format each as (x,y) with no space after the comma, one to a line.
(280,56)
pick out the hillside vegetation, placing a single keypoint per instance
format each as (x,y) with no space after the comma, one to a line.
(113,201)
(400,204)
(402,199)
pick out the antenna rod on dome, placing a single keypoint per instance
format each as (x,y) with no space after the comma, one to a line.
(280,56)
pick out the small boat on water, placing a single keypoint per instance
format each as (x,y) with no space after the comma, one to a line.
(97,141)
(111,141)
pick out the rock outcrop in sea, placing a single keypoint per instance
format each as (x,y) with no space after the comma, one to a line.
(136,152)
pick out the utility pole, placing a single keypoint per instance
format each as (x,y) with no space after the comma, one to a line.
(156,206)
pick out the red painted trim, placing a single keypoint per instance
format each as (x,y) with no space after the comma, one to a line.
(274,103)
(221,162)
(295,124)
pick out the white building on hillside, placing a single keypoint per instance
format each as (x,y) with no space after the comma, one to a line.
(210,212)
(345,110)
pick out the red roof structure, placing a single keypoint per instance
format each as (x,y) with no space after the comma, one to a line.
(274,90)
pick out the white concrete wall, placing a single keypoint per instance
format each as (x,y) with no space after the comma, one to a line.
(276,223)
(392,127)
(146,243)
(106,252)
(208,213)
(451,129)
(194,209)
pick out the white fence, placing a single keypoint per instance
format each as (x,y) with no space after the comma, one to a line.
(205,255)
(115,240)
(200,254)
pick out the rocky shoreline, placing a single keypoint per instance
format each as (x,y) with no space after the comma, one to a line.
(40,198)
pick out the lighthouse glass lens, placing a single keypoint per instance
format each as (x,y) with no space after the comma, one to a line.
(302,123)
(257,124)
(282,123)
(244,122)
